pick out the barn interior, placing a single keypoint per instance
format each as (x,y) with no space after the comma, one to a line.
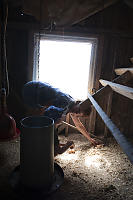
(101,172)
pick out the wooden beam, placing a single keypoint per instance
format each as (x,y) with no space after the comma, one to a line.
(107,90)
(67,124)
(67,121)
(120,71)
(61,127)
(124,78)
(101,92)
(108,111)
(86,104)
(121,89)
(116,32)
(104,90)
(74,127)
(120,138)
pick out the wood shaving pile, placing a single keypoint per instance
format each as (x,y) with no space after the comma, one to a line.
(100,173)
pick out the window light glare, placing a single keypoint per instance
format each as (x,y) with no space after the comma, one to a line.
(65,65)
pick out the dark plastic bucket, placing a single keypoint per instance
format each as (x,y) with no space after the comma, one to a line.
(37,152)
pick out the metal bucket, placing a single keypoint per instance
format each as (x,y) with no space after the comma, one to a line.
(37,152)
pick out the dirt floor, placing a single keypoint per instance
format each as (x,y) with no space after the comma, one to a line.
(101,173)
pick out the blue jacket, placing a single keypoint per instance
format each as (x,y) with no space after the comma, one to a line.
(37,94)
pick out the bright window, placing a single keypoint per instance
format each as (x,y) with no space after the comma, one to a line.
(65,65)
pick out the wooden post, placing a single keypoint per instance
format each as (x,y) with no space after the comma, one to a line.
(67,127)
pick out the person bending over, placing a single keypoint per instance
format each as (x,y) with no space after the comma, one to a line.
(43,99)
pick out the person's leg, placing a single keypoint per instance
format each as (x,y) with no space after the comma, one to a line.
(56,114)
(60,148)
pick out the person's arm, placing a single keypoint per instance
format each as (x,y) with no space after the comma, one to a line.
(82,129)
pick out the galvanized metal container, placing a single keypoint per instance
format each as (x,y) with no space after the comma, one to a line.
(37,152)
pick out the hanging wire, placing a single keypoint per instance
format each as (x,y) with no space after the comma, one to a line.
(63,33)
(4,70)
(38,55)
(51,25)
(38,43)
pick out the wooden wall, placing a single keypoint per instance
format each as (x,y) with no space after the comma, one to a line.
(114,25)
(17,59)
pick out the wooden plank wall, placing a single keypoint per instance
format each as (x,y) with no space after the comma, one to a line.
(17,56)
(114,25)
(122,49)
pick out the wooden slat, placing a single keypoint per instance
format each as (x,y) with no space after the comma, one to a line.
(67,124)
(105,91)
(121,89)
(67,127)
(74,127)
(61,127)
(108,111)
(85,104)
(120,71)
(120,138)
(124,78)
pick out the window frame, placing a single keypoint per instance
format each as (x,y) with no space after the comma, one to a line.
(68,37)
